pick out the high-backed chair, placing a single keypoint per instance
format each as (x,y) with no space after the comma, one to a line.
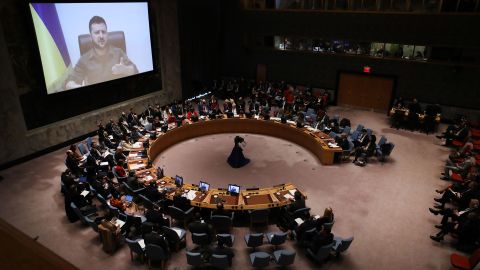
(81,215)
(131,190)
(180,215)
(135,247)
(284,257)
(328,226)
(341,244)
(155,253)
(276,238)
(221,223)
(195,259)
(219,261)
(322,253)
(175,236)
(201,239)
(302,213)
(83,149)
(259,216)
(115,38)
(465,263)
(254,240)
(102,200)
(225,239)
(260,259)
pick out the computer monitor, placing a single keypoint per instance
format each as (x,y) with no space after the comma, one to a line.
(204,186)
(233,189)
(128,198)
(178,181)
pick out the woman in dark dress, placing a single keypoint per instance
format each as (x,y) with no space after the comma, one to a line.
(236,158)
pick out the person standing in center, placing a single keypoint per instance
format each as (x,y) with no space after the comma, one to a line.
(236,158)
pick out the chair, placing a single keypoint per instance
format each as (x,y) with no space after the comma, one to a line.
(113,210)
(132,191)
(115,38)
(194,259)
(328,226)
(309,234)
(91,223)
(219,261)
(254,240)
(284,257)
(465,263)
(221,223)
(322,253)
(359,127)
(276,238)
(354,135)
(81,215)
(225,239)
(120,179)
(383,152)
(155,253)
(180,215)
(135,247)
(341,244)
(146,201)
(346,153)
(302,213)
(259,216)
(346,130)
(102,200)
(382,140)
(201,239)
(83,149)
(175,236)
(260,259)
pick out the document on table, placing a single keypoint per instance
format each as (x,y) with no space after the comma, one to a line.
(299,221)
(275,118)
(292,191)
(119,223)
(136,166)
(137,145)
(141,242)
(288,196)
(333,145)
(84,193)
(191,194)
(178,231)
(149,177)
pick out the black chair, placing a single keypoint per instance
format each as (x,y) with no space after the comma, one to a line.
(135,247)
(225,240)
(201,239)
(259,216)
(219,261)
(276,238)
(260,259)
(254,240)
(180,215)
(195,259)
(155,253)
(221,223)
(175,236)
(284,257)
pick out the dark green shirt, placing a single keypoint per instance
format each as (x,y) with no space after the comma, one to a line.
(93,68)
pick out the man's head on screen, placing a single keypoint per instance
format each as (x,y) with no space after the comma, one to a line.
(98,32)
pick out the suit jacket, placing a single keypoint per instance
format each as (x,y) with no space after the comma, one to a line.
(156,239)
(181,202)
(156,217)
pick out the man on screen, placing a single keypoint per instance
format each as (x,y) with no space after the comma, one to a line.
(101,63)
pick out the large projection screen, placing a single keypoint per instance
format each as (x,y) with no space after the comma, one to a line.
(83,44)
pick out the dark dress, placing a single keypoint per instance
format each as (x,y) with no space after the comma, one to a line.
(236,158)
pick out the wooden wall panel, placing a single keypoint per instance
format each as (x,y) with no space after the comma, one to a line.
(365,91)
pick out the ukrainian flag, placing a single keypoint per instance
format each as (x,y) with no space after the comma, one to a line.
(52,46)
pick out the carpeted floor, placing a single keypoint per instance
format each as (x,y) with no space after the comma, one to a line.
(384,206)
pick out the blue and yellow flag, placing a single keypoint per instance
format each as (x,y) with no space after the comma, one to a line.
(51,43)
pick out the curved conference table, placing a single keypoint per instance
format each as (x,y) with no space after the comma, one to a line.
(313,140)
(256,198)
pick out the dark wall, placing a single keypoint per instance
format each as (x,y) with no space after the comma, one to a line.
(446,83)
(39,108)
(200,24)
